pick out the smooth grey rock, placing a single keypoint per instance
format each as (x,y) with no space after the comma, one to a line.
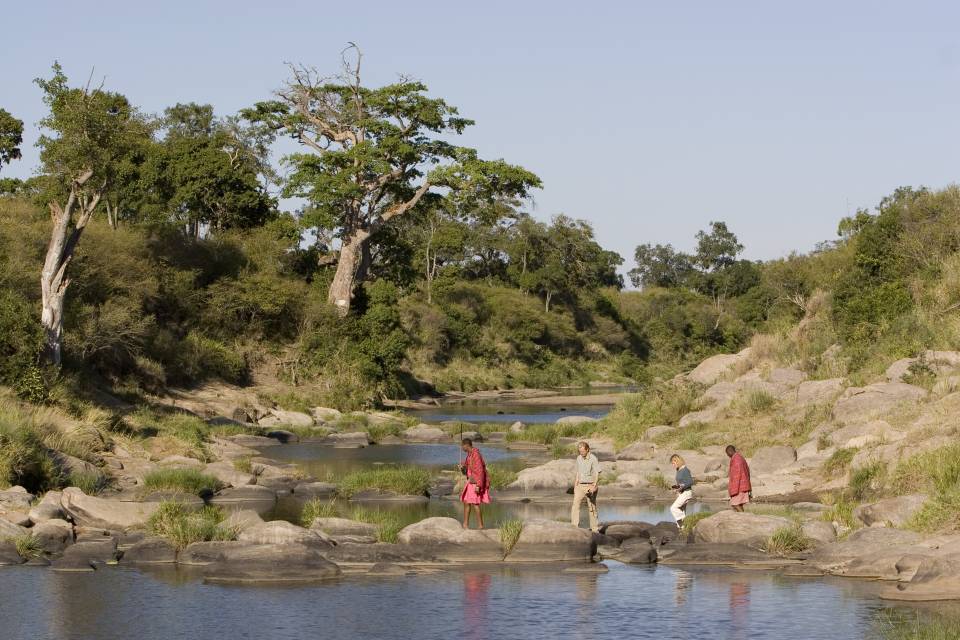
(228,474)
(48,508)
(730,527)
(551,541)
(890,512)
(282,532)
(150,551)
(772,459)
(53,535)
(445,538)
(109,514)
(271,564)
(261,499)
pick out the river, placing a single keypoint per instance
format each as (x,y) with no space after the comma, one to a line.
(658,601)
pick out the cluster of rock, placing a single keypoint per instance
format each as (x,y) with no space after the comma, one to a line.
(74,532)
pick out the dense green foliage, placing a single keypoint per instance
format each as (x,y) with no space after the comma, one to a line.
(11,135)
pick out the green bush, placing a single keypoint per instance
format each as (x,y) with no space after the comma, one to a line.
(24,457)
(936,473)
(500,477)
(838,461)
(867,481)
(21,344)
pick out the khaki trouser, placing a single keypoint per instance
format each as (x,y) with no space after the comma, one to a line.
(579,493)
(678,508)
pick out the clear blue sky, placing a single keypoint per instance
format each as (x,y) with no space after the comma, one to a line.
(647,118)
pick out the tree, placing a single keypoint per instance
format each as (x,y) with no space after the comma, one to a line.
(88,133)
(374,155)
(11,135)
(203,174)
(660,266)
(717,249)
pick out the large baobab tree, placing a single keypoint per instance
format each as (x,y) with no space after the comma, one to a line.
(374,155)
(87,134)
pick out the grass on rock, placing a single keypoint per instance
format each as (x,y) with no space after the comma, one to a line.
(500,477)
(903,626)
(658,480)
(317,508)
(838,461)
(179,480)
(90,482)
(510,531)
(787,540)
(937,474)
(405,480)
(28,546)
(182,526)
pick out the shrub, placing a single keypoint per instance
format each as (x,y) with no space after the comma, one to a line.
(867,480)
(786,540)
(838,461)
(402,480)
(180,480)
(182,527)
(24,458)
(510,531)
(840,511)
(21,343)
(758,401)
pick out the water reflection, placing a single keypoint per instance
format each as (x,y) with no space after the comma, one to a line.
(476,596)
(682,582)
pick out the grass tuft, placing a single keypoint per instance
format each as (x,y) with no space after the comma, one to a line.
(28,546)
(404,480)
(188,481)
(839,461)
(787,540)
(510,531)
(658,480)
(181,526)
(317,508)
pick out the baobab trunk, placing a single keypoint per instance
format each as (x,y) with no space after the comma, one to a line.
(349,265)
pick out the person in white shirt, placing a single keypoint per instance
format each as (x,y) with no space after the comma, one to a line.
(585,486)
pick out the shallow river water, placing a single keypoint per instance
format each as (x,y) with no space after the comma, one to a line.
(519,602)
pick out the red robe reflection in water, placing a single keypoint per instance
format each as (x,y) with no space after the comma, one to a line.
(476,595)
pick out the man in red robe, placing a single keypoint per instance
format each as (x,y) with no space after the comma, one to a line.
(738,485)
(477,489)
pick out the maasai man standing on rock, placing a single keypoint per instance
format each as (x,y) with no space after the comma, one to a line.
(477,489)
(738,485)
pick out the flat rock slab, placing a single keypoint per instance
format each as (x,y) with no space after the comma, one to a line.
(446,539)
(109,514)
(710,554)
(271,564)
(261,499)
(150,551)
(730,527)
(551,541)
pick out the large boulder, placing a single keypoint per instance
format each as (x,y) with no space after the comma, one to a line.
(814,392)
(576,420)
(240,521)
(425,433)
(871,552)
(315,490)
(935,578)
(863,403)
(772,459)
(657,431)
(200,554)
(351,440)
(10,530)
(271,564)
(714,367)
(819,531)
(83,556)
(115,515)
(890,512)
(715,554)
(282,532)
(263,500)
(53,535)
(48,508)
(325,414)
(551,541)
(640,450)
(704,416)
(15,499)
(8,554)
(252,441)
(229,475)
(345,529)
(278,417)
(150,551)
(637,551)
(446,539)
(730,527)
(557,474)
(364,553)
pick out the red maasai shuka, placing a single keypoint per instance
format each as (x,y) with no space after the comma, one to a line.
(478,482)
(739,475)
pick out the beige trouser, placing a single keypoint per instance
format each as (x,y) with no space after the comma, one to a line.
(579,493)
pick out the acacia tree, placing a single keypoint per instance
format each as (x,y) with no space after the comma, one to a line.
(11,135)
(88,134)
(374,155)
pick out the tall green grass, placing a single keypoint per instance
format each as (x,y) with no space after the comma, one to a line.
(510,531)
(402,480)
(182,526)
(936,473)
(787,540)
(178,480)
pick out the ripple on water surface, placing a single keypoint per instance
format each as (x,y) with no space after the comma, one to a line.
(629,602)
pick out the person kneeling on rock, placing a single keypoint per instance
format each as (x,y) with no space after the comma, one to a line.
(683,487)
(585,486)
(477,489)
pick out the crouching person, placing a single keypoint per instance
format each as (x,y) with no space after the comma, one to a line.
(683,487)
